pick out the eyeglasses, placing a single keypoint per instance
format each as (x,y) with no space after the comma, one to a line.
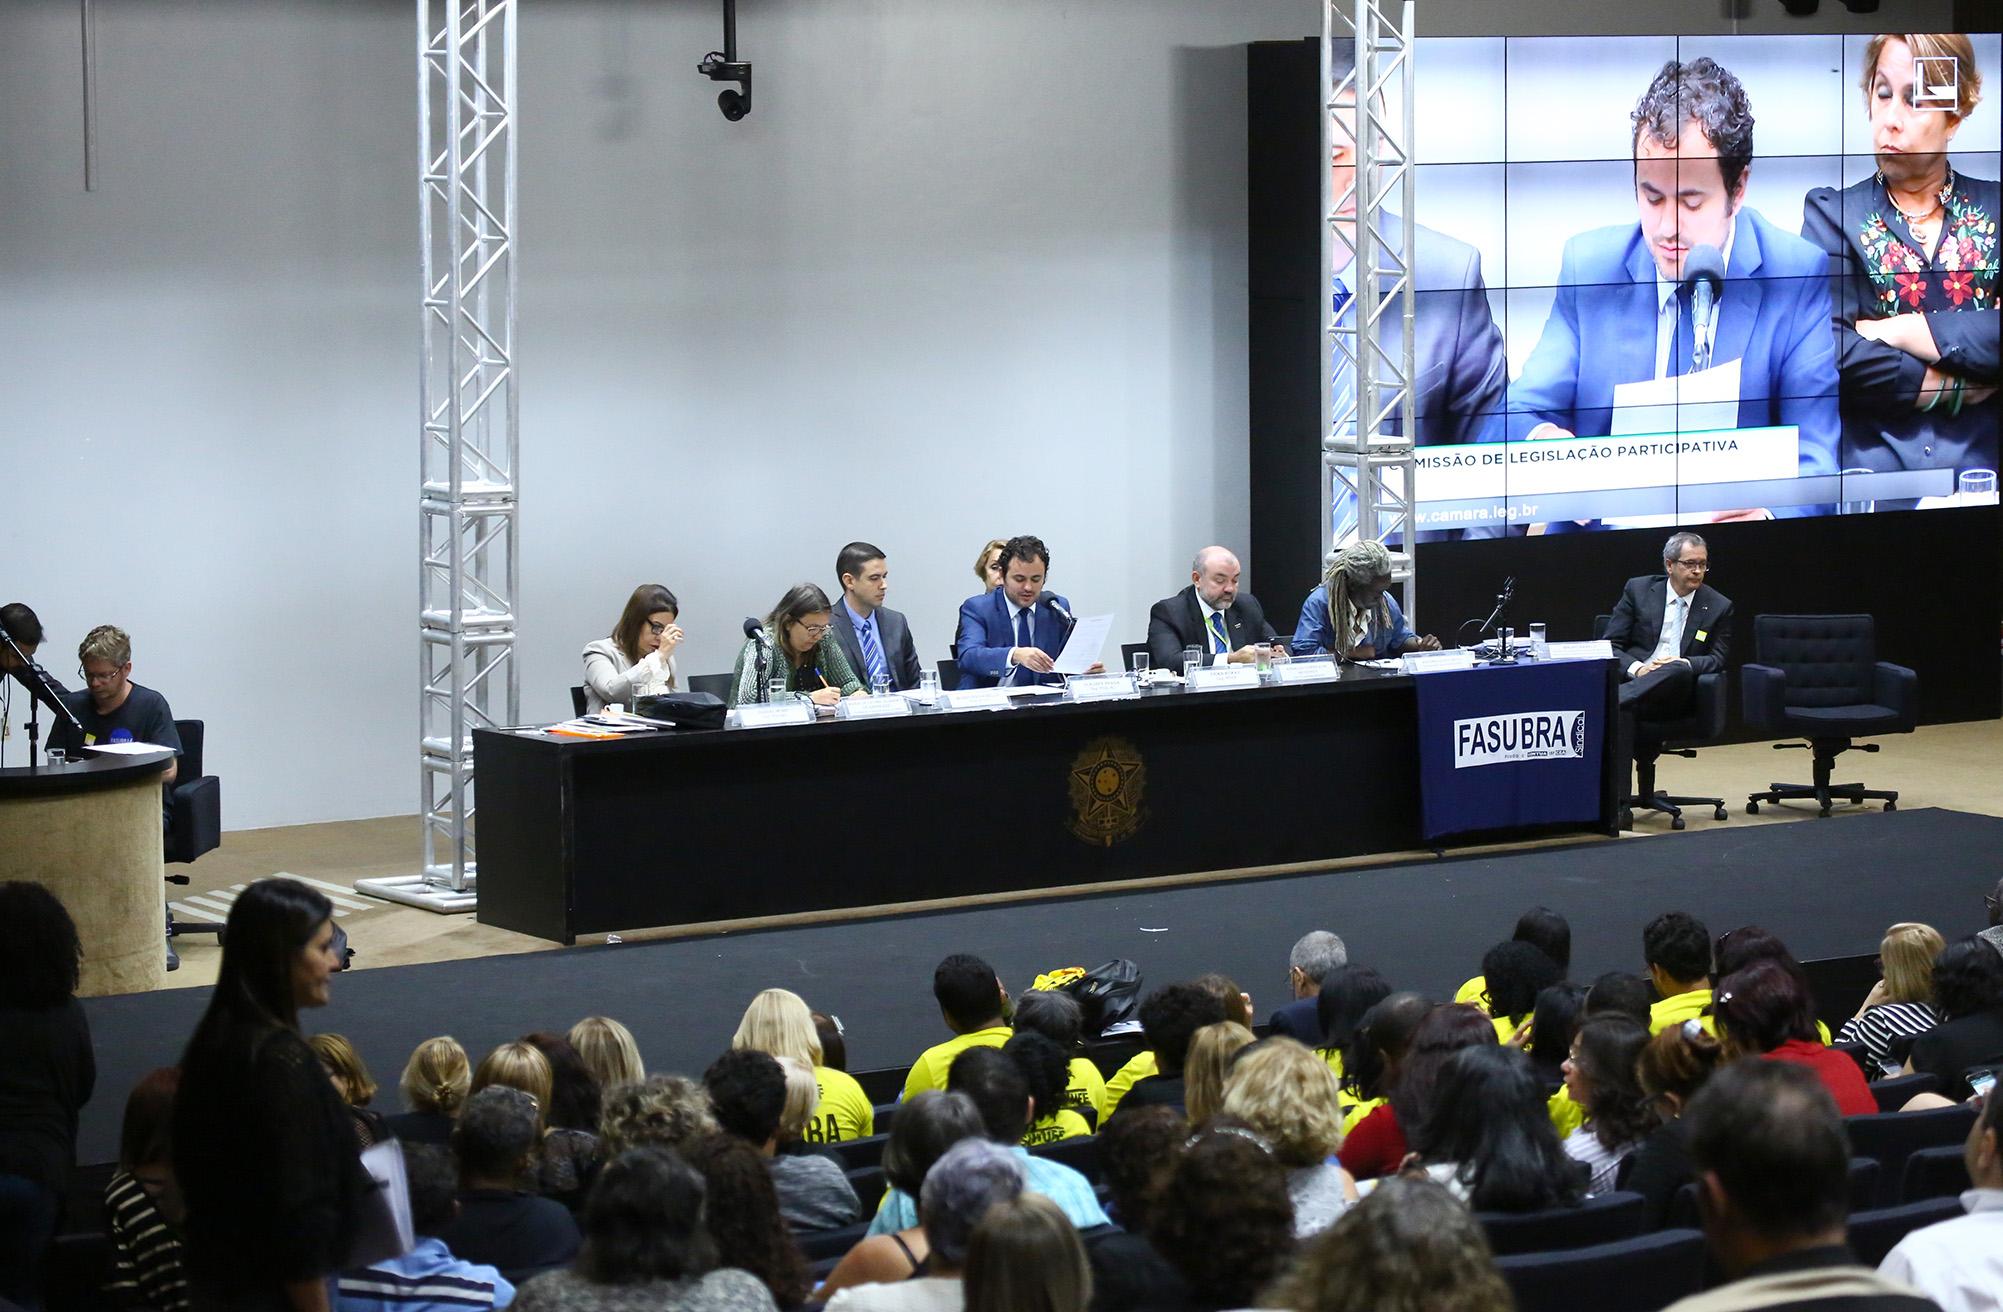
(1695,566)
(814,630)
(108,676)
(657,629)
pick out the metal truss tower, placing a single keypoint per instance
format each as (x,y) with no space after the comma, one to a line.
(1367,240)
(469,571)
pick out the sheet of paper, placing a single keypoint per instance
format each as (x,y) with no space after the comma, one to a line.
(1686,403)
(1082,648)
(125,749)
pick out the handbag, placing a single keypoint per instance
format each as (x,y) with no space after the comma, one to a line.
(684,710)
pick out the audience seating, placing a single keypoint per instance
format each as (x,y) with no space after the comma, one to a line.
(1899,1090)
(1600,1220)
(1818,677)
(1934,1173)
(1865,1174)
(854,1154)
(1891,1137)
(1858,1053)
(1874,1234)
(869,1184)
(1628,1275)
(1680,737)
(1080,1154)
(829,1245)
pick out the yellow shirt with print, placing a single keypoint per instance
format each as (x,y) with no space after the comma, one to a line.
(1086,1089)
(1062,1124)
(844,1112)
(929,1071)
(1138,1067)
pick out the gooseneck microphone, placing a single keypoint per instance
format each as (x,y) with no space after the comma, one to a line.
(1704,275)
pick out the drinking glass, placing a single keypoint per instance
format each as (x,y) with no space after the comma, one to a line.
(928,687)
(880,686)
(58,757)
(1978,487)
(775,690)
(1538,646)
(1140,661)
(1191,655)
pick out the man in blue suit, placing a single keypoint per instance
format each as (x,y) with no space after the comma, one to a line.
(1621,314)
(1012,635)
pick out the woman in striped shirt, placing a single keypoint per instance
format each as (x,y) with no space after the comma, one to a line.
(143,1204)
(1897,1011)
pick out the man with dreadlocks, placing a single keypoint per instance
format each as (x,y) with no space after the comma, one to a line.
(1351,614)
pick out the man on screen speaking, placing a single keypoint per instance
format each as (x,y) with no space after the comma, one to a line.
(1624,313)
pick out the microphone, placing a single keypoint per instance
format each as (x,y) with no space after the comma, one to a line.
(754,629)
(1704,275)
(1062,614)
(1502,600)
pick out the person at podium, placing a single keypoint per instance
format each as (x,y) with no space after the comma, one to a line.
(112,708)
(1012,635)
(1351,614)
(1212,613)
(638,659)
(798,650)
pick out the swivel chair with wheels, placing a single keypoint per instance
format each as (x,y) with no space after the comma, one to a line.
(194,824)
(1653,739)
(1818,676)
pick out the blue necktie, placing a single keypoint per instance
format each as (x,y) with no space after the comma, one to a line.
(1217,632)
(872,653)
(1023,631)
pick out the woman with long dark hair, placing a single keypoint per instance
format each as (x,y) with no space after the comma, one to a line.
(1383,1138)
(797,651)
(638,659)
(1968,997)
(263,1148)
(1488,1135)
(1600,1074)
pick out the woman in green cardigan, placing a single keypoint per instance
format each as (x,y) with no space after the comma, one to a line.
(799,650)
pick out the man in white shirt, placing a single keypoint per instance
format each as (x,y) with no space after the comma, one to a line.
(1959,1263)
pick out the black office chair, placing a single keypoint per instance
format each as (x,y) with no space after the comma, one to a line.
(1658,738)
(1818,676)
(1602,1219)
(717,685)
(194,821)
(949,673)
(577,703)
(1127,650)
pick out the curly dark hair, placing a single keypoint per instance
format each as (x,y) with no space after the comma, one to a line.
(574,1096)
(1516,973)
(644,1221)
(748,1090)
(1609,1047)
(1224,1219)
(1704,93)
(1967,979)
(1171,1016)
(1045,1069)
(1679,943)
(742,1216)
(1618,993)
(1137,1151)
(1024,547)
(40,956)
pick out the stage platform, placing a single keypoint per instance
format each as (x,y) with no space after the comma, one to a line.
(1829,887)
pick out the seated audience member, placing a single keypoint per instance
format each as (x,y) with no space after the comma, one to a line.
(565,1158)
(428,1278)
(975,1007)
(1288,1097)
(1212,614)
(973,1176)
(925,1128)
(1619,993)
(1370,1063)
(1025,1257)
(111,707)
(353,1082)
(1959,1263)
(1488,1137)
(645,1248)
(500,1224)
(749,1091)
(661,1111)
(1001,1095)
(1898,1008)
(1380,1141)
(1314,956)
(1773,1187)
(1671,1069)
(797,646)
(575,1096)
(834,1046)
(1058,1017)
(1170,1017)
(1237,1003)
(1224,1220)
(1137,1155)
(778,1022)
(1345,996)
(1764,1011)
(1992,905)
(609,1052)
(1211,1052)
(1600,1075)
(741,1212)
(1554,1022)
(638,660)
(434,1084)
(1410,1245)
(1046,1072)
(142,1204)
(1741,947)
(1677,950)
(1515,973)
(987,565)
(1968,998)
(1351,614)
(1540,927)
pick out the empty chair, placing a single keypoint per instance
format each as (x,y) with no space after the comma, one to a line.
(578,706)
(1819,677)
(1874,1234)
(949,673)
(1628,1275)
(194,802)
(1891,1137)
(854,1154)
(1896,1092)
(1080,1153)
(1654,739)
(1934,1173)
(1599,1220)
(716,685)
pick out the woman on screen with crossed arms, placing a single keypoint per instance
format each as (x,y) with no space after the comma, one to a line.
(638,660)
(797,650)
(1913,253)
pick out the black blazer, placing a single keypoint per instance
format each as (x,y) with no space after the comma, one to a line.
(899,652)
(1636,625)
(1177,622)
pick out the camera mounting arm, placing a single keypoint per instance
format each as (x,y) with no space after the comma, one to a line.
(724,66)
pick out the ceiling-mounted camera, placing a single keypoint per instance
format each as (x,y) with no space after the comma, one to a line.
(724,66)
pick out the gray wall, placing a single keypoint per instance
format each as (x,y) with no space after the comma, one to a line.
(953,237)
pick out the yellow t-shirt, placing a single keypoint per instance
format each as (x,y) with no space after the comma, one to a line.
(844,1112)
(1064,1124)
(1354,1112)
(1087,1089)
(1333,1056)
(1566,1115)
(929,1071)
(1138,1068)
(1506,1026)
(1474,992)
(1679,1007)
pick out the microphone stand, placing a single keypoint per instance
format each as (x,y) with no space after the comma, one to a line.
(758,640)
(42,690)
(1502,600)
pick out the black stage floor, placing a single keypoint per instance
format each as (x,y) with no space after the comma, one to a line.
(1829,887)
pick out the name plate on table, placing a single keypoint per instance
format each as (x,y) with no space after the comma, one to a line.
(975,699)
(1310,671)
(1599,650)
(764,715)
(1217,677)
(1101,687)
(872,708)
(1432,662)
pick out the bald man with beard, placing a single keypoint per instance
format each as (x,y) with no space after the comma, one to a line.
(1213,613)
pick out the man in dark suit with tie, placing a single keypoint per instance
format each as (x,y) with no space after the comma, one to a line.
(1012,635)
(1210,613)
(876,639)
(1669,628)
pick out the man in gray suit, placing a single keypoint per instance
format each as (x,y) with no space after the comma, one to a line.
(1669,628)
(876,640)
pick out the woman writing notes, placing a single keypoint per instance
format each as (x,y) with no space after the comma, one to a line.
(798,655)
(638,660)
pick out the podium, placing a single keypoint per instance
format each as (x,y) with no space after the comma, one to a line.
(89,832)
